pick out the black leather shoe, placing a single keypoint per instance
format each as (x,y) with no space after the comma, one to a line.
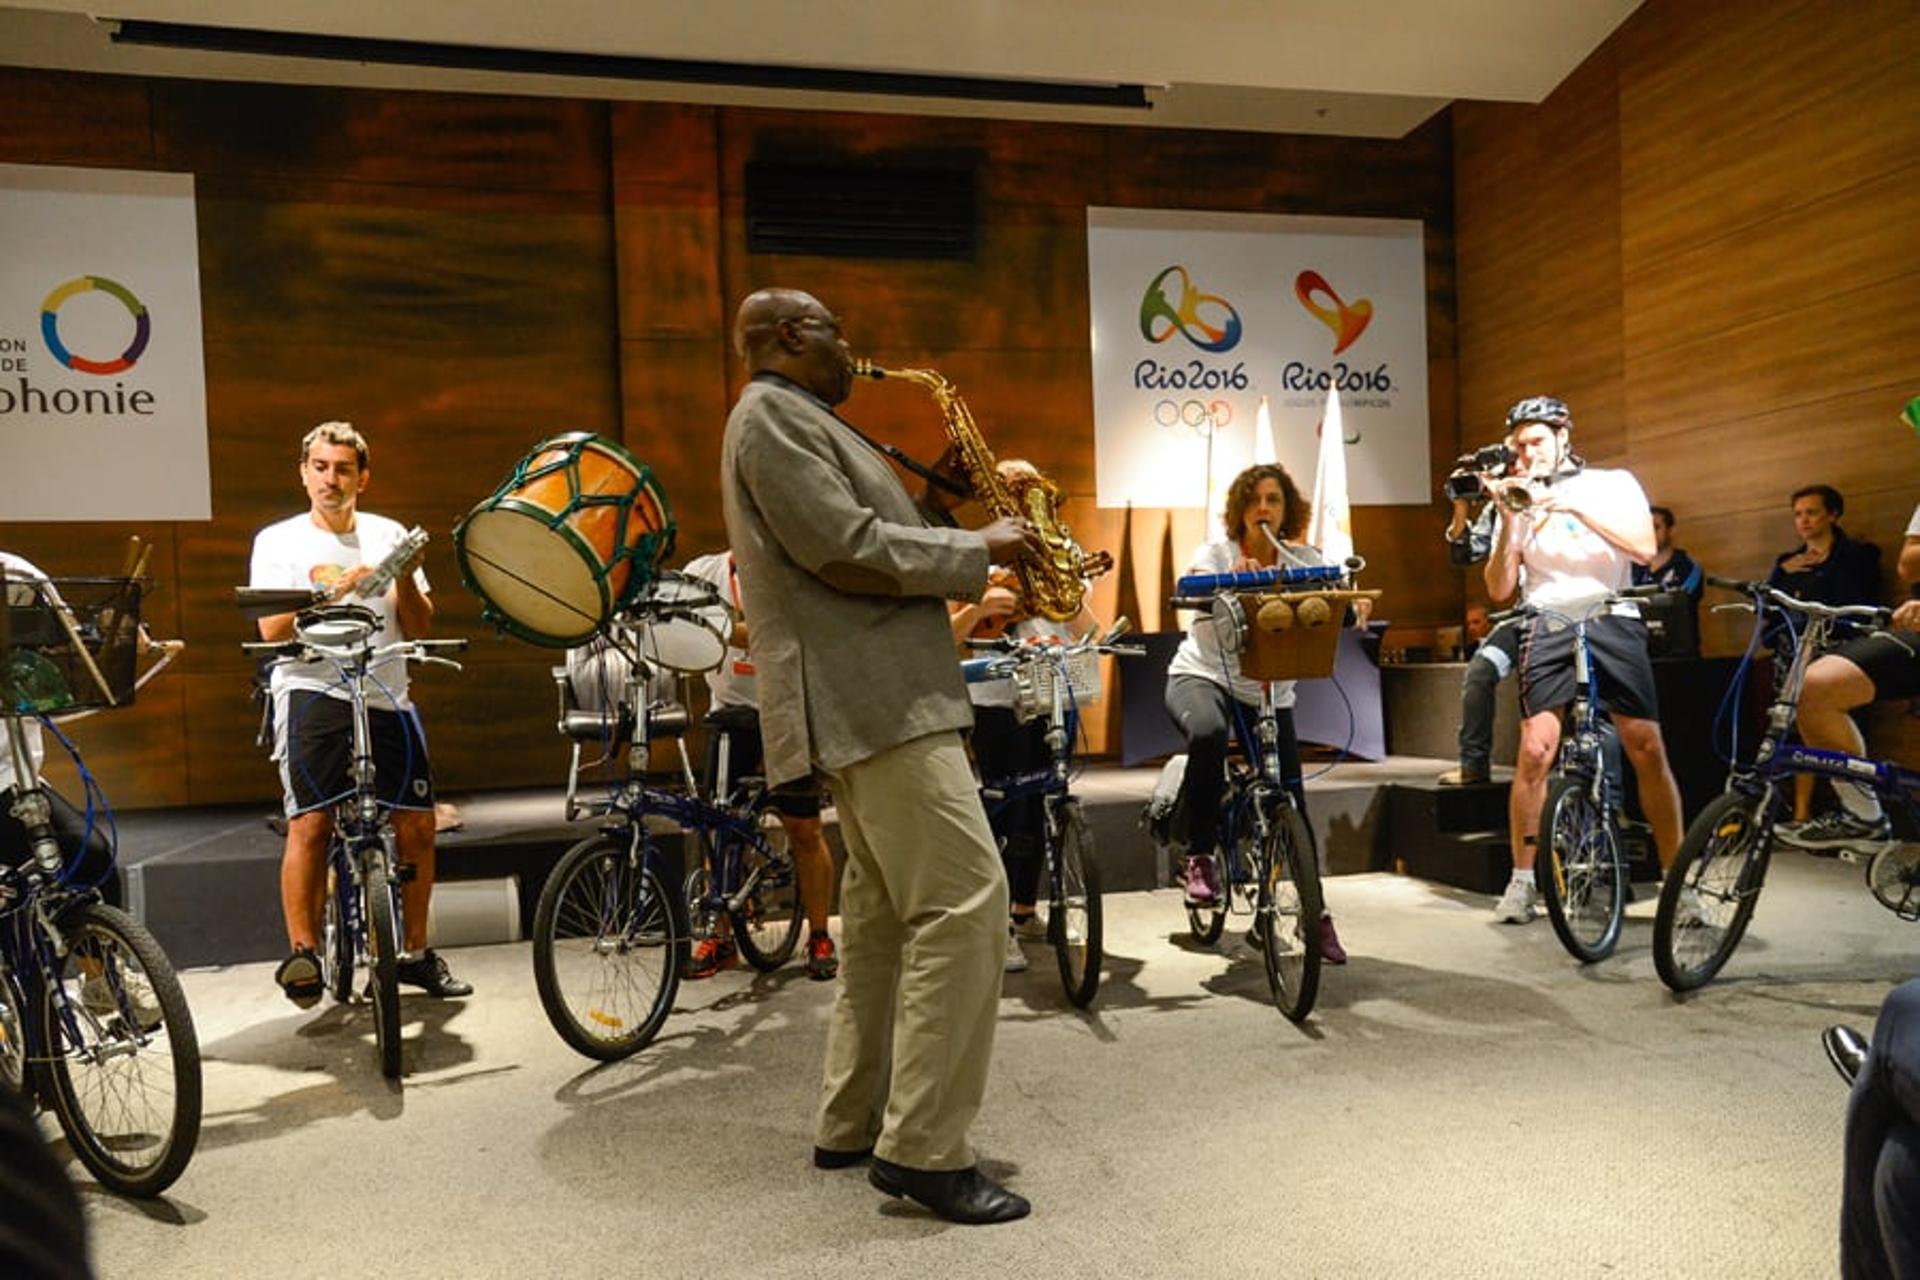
(958,1195)
(828,1158)
(430,973)
(1846,1050)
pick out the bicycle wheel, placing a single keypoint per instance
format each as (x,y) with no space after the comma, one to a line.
(1287,912)
(609,945)
(1711,888)
(767,925)
(378,908)
(1073,915)
(336,941)
(13,1036)
(123,1059)
(1582,878)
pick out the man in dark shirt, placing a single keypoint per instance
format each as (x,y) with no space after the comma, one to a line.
(1675,623)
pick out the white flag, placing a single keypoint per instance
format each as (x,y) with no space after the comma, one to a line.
(1263,450)
(1331,528)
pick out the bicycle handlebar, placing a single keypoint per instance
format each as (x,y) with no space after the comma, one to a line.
(1591,609)
(1878,615)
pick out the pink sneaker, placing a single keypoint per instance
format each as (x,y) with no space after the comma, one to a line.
(1203,882)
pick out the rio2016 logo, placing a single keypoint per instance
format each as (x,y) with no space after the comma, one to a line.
(1206,320)
(50,325)
(1347,320)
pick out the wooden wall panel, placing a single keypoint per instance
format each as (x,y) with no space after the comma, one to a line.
(1758,331)
(463,276)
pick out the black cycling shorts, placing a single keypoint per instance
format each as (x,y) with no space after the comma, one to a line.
(1618,647)
(1891,659)
(315,750)
(739,728)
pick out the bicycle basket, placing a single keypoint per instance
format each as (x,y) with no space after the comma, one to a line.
(71,644)
(1293,635)
(1033,685)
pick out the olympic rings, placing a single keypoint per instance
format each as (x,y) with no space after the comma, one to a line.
(1203,417)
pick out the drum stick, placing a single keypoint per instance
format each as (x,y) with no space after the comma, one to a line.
(140,565)
(132,558)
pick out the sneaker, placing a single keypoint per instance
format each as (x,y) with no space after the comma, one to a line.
(430,973)
(1029,926)
(822,963)
(1016,958)
(1516,904)
(710,956)
(1203,881)
(299,977)
(99,998)
(1330,949)
(1464,777)
(1829,833)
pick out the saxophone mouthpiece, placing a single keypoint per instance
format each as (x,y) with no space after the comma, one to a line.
(864,368)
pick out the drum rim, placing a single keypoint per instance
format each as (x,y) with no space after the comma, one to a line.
(491,610)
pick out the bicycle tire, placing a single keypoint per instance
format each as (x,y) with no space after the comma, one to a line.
(1287,913)
(1074,918)
(1581,876)
(1206,924)
(767,925)
(383,959)
(601,906)
(336,941)
(14,1073)
(1715,881)
(130,1129)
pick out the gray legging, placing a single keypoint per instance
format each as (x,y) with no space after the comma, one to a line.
(1495,659)
(1204,712)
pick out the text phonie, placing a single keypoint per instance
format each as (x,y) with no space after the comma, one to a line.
(20,396)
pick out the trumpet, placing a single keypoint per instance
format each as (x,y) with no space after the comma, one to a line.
(1516,496)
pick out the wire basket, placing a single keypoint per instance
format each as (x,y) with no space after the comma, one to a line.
(70,644)
(1034,681)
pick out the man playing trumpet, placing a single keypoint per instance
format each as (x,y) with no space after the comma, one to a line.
(1577,531)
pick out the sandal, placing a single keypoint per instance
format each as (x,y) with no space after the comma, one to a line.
(299,977)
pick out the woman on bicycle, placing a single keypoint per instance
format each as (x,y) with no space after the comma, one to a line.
(1206,692)
(1002,746)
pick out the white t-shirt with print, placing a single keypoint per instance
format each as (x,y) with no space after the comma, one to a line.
(1200,653)
(732,683)
(1566,563)
(296,552)
(19,567)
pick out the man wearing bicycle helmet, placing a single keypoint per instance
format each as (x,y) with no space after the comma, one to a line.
(1576,532)
(1880,664)
(333,546)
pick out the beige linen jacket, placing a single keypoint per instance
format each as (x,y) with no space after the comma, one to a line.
(843,583)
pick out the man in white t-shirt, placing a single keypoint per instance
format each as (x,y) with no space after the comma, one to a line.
(1577,542)
(735,721)
(332,547)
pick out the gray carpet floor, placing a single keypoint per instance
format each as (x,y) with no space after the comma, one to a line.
(1466,1101)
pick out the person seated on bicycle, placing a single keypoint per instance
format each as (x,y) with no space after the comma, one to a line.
(1205,687)
(84,846)
(332,546)
(1881,664)
(735,720)
(1002,746)
(1572,543)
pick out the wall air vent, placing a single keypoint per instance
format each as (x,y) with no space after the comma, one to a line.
(862,210)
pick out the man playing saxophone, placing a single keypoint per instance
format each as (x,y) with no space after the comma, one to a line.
(845,577)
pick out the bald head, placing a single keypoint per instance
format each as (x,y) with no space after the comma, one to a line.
(789,332)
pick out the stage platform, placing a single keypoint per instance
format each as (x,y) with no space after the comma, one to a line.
(206,881)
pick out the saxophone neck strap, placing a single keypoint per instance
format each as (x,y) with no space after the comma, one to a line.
(899,455)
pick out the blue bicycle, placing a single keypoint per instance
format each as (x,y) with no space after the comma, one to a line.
(1050,681)
(363,927)
(92,1017)
(613,932)
(1715,881)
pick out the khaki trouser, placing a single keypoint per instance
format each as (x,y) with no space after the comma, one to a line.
(923,909)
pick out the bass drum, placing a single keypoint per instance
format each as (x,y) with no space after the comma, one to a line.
(574,535)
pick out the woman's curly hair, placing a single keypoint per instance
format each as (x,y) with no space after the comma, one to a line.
(1299,510)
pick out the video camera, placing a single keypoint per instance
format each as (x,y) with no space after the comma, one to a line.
(1464,480)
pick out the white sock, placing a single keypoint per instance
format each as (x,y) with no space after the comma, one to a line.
(1858,801)
(1521,877)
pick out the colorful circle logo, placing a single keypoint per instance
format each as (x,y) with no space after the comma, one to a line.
(1161,317)
(50,325)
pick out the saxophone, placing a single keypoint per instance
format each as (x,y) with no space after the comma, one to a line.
(1052,585)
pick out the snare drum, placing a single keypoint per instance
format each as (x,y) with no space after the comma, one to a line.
(574,535)
(683,623)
